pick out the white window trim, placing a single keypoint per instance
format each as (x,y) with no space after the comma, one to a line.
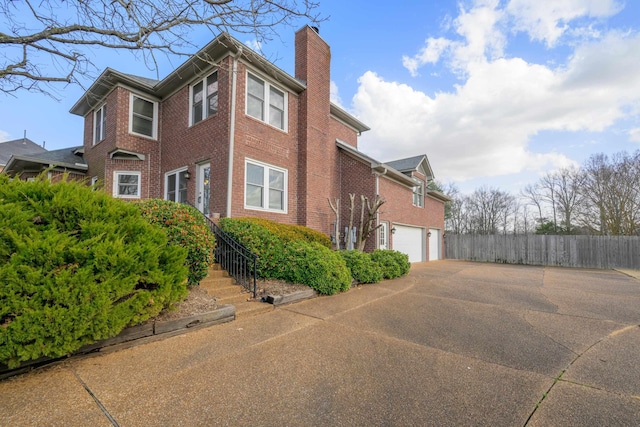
(205,95)
(267,94)
(166,180)
(99,138)
(421,195)
(154,126)
(265,193)
(116,174)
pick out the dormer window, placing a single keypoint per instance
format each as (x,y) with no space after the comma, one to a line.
(204,98)
(266,102)
(99,124)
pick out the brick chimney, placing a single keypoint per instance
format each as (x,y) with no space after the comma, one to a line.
(317,151)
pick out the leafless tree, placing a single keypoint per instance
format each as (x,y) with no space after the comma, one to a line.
(532,194)
(611,193)
(46,41)
(490,210)
(562,190)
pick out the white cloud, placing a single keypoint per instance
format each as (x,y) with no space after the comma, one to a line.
(430,54)
(483,126)
(254,44)
(634,135)
(334,94)
(4,136)
(547,21)
(480,38)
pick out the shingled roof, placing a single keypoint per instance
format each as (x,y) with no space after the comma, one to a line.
(19,147)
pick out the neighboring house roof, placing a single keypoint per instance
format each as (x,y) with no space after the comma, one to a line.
(201,62)
(413,164)
(22,146)
(67,158)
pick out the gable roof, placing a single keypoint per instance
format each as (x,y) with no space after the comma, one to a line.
(66,158)
(22,146)
(199,63)
(413,164)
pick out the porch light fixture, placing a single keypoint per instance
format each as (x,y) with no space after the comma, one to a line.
(393,230)
(187,175)
(429,234)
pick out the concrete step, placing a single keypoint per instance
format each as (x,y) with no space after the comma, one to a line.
(217,282)
(217,273)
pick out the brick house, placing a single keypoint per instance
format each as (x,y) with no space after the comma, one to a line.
(234,135)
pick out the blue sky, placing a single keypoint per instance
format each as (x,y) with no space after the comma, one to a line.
(494,92)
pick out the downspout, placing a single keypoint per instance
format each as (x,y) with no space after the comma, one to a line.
(232,130)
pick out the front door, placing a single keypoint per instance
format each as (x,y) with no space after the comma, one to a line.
(204,188)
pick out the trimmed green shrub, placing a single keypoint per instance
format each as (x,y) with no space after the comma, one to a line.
(288,232)
(76,267)
(291,253)
(185,226)
(362,268)
(259,240)
(393,263)
(316,266)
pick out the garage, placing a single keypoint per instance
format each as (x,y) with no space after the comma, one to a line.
(434,244)
(409,240)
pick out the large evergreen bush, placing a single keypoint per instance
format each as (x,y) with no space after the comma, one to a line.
(187,227)
(77,266)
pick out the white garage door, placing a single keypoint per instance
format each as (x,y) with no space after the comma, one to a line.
(409,240)
(434,244)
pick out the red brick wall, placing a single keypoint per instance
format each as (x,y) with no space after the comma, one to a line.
(356,178)
(399,209)
(257,140)
(318,153)
(206,141)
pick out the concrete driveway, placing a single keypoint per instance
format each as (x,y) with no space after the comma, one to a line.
(453,343)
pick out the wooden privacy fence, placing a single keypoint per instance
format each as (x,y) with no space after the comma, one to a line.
(532,249)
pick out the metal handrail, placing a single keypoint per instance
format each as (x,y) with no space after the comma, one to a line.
(238,261)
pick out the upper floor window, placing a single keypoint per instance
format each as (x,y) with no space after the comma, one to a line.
(144,117)
(126,185)
(266,102)
(204,98)
(265,187)
(418,195)
(99,124)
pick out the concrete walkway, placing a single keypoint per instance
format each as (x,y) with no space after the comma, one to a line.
(453,343)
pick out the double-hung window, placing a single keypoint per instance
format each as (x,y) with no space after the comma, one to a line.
(265,187)
(144,117)
(176,186)
(126,185)
(266,102)
(99,124)
(204,98)
(418,195)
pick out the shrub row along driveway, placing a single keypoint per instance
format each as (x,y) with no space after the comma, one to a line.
(452,343)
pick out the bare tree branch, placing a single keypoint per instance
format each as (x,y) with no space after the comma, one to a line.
(54,32)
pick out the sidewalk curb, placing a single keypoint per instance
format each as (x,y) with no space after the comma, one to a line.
(277,300)
(134,335)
